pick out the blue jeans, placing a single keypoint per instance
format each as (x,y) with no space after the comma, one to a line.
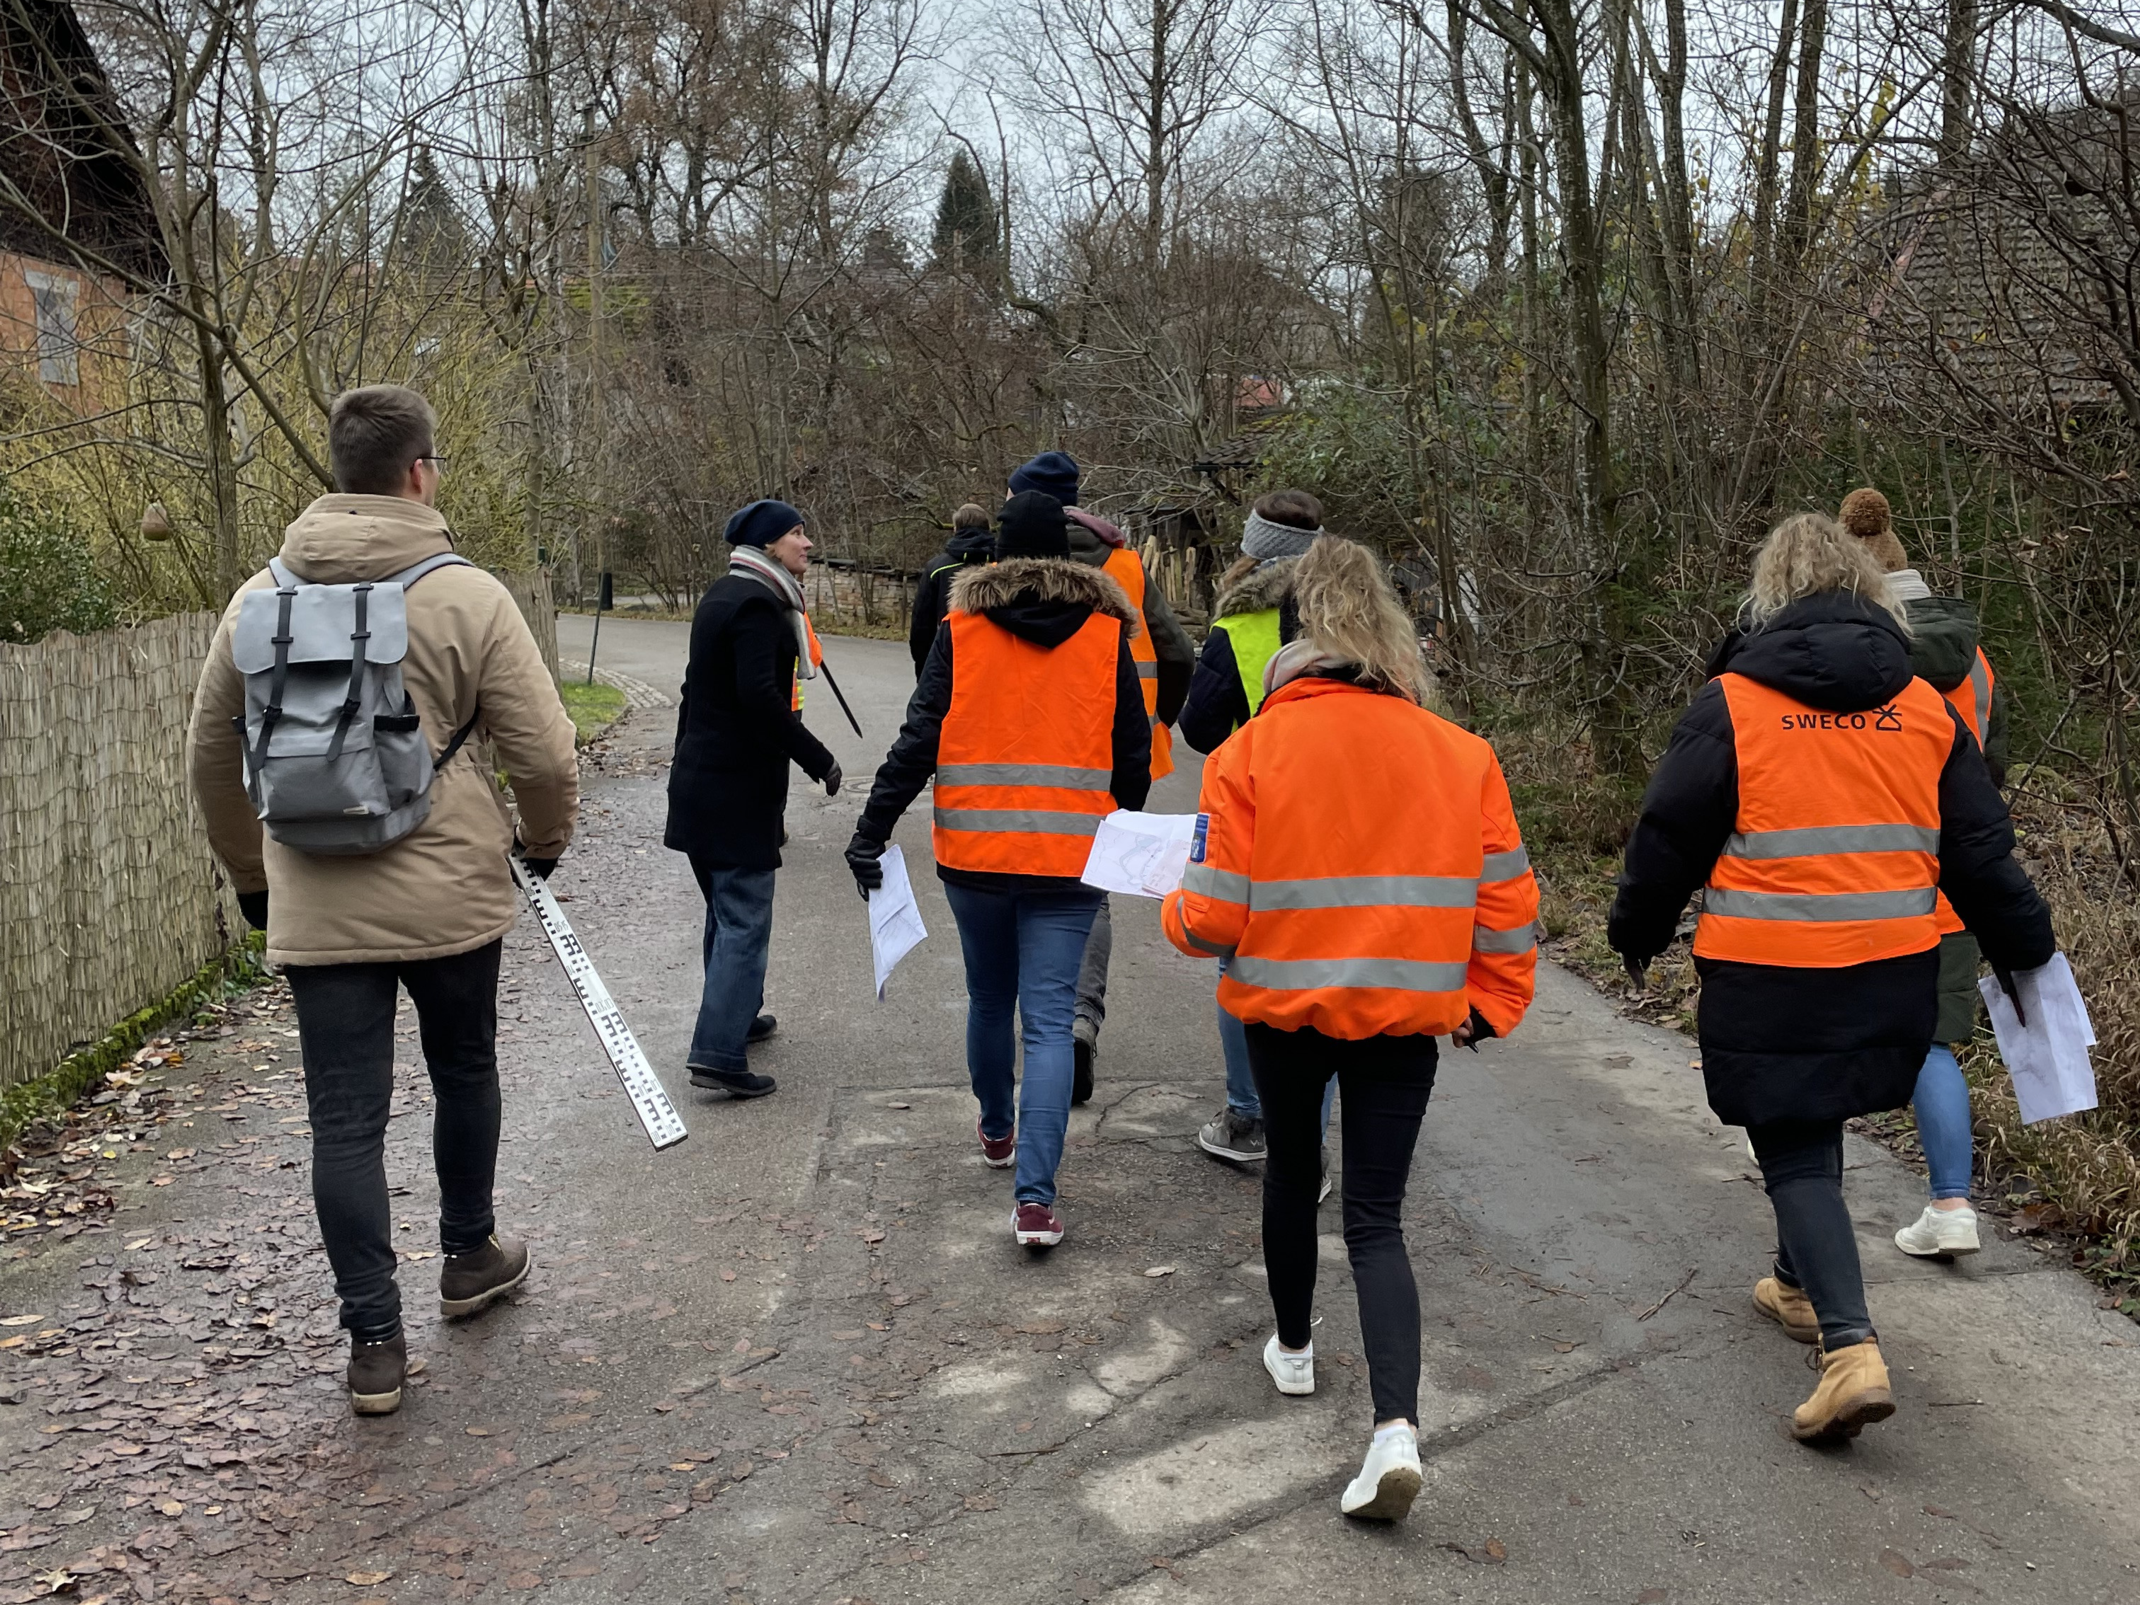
(1022,951)
(1241,1095)
(739,934)
(1943,1124)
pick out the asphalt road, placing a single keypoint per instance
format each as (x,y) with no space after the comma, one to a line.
(798,1358)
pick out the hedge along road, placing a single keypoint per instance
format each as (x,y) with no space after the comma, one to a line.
(798,1358)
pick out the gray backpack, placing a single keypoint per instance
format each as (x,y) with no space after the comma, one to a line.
(336,761)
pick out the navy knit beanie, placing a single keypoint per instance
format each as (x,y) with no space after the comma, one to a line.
(1053,473)
(761,524)
(1032,525)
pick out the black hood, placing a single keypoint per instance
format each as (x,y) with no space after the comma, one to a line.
(1832,651)
(972,545)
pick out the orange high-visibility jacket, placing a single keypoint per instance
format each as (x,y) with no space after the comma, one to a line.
(1026,755)
(1972,700)
(1127,569)
(1360,870)
(1834,860)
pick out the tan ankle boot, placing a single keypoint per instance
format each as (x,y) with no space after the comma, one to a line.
(1853,1391)
(1788,1307)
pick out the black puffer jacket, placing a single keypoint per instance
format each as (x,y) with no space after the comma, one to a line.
(1044,600)
(1811,1044)
(737,730)
(933,594)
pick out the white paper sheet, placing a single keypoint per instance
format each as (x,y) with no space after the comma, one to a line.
(2048,1057)
(895,927)
(1141,854)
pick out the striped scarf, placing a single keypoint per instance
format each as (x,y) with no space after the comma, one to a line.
(753,564)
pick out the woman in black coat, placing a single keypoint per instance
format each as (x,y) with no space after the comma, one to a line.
(1820,793)
(736,733)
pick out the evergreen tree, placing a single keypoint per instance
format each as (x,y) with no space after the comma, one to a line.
(432,232)
(965,217)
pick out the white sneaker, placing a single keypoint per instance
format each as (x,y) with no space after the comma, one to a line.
(1939,1231)
(1389,1478)
(1294,1373)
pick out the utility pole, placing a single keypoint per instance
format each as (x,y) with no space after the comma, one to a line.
(595,411)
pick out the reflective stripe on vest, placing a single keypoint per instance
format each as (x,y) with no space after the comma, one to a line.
(1127,570)
(1255,643)
(1026,754)
(1835,859)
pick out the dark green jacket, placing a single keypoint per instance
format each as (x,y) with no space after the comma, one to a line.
(1943,649)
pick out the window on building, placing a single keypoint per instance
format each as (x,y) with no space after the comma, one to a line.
(58,349)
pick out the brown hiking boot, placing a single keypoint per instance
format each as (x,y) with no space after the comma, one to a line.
(1853,1391)
(375,1375)
(1788,1307)
(471,1283)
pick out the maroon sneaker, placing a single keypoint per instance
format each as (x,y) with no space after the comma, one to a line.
(999,1152)
(1036,1226)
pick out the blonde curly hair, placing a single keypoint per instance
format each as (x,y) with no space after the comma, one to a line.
(1349,610)
(1806,555)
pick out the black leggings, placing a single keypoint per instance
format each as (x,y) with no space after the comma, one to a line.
(345,1020)
(1816,1250)
(1384,1083)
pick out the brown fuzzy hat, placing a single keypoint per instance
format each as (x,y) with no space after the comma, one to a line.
(1865,515)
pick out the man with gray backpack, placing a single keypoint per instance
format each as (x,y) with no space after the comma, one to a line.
(335,753)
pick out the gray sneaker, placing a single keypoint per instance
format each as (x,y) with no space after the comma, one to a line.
(1233,1136)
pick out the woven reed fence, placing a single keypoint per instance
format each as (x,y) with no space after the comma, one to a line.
(109,897)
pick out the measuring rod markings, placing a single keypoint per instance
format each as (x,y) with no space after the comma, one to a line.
(664,1127)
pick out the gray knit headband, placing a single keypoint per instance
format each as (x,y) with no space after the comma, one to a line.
(1260,538)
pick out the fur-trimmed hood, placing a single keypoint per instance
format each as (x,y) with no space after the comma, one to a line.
(1043,599)
(1259,590)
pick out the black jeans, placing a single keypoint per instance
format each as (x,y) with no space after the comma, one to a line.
(345,1021)
(1816,1250)
(1384,1083)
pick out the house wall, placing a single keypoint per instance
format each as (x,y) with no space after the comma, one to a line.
(102,331)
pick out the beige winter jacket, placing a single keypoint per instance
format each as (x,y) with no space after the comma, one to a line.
(446,887)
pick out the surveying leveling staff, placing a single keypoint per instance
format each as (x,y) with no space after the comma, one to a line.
(1824,796)
(1360,870)
(1029,716)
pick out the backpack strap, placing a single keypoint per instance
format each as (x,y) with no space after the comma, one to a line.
(430,565)
(286,585)
(459,736)
(408,577)
(358,635)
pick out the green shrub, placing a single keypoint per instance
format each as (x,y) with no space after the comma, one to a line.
(48,579)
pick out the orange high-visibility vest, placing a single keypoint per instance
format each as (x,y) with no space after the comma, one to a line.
(1127,568)
(1026,755)
(1972,700)
(817,661)
(1389,902)
(1834,859)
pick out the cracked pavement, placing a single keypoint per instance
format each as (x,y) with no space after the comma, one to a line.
(798,1358)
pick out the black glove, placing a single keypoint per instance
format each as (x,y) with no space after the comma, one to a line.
(1638,970)
(2006,985)
(833,778)
(538,867)
(253,905)
(863,857)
